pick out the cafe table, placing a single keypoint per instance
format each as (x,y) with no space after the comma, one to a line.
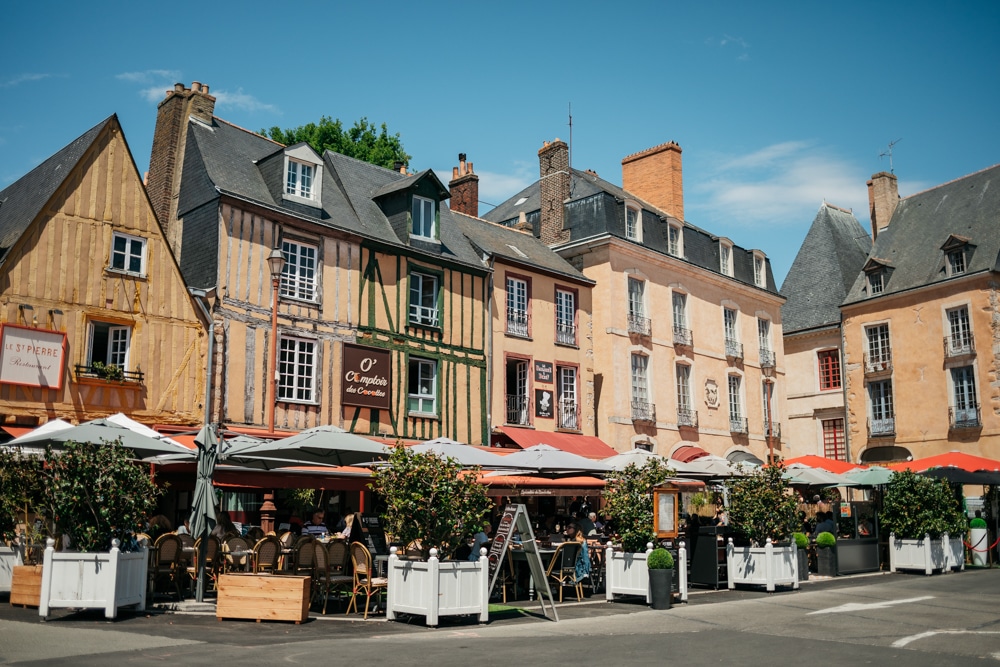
(520,559)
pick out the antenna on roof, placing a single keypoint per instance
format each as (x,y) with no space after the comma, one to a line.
(888,152)
(570,135)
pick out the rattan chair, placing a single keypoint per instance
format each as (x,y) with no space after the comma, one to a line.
(212,560)
(255,535)
(168,564)
(302,555)
(266,553)
(328,575)
(364,583)
(238,554)
(562,568)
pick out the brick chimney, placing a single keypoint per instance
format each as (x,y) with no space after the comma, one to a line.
(883,196)
(655,175)
(464,188)
(553,162)
(169,139)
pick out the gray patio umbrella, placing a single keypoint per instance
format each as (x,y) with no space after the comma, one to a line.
(816,477)
(105,430)
(637,457)
(547,460)
(872,476)
(466,455)
(322,445)
(959,476)
(203,517)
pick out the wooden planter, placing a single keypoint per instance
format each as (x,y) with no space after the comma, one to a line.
(26,586)
(263,597)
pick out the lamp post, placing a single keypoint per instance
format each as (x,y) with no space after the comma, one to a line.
(768,372)
(276,262)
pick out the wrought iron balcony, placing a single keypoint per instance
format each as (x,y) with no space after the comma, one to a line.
(569,414)
(108,373)
(686,417)
(766,358)
(734,349)
(877,364)
(959,345)
(517,322)
(643,411)
(881,428)
(517,409)
(738,425)
(682,336)
(772,430)
(959,418)
(424,315)
(566,333)
(637,324)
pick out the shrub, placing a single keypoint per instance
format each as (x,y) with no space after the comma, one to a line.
(915,505)
(825,539)
(760,505)
(801,541)
(20,490)
(660,559)
(628,500)
(977,523)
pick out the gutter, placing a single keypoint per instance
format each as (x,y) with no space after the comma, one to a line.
(200,297)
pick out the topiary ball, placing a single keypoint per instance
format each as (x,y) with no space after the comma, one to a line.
(801,541)
(660,559)
(826,540)
(977,523)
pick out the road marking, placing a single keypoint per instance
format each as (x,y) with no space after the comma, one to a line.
(900,643)
(859,606)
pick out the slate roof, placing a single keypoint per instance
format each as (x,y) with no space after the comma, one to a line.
(701,248)
(505,243)
(828,261)
(911,244)
(24,199)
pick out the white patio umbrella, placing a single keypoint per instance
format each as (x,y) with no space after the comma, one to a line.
(796,474)
(547,460)
(106,430)
(322,445)
(637,457)
(466,455)
(713,467)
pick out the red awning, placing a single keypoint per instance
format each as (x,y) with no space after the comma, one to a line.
(18,431)
(574,443)
(532,485)
(961,460)
(829,465)
(688,453)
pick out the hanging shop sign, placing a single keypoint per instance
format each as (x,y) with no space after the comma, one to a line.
(543,403)
(32,357)
(543,371)
(367,374)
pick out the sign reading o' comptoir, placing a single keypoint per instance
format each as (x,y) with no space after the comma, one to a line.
(366,379)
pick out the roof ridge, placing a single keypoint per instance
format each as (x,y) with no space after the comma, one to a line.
(256,134)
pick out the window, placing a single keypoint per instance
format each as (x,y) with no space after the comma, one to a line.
(299,181)
(764,334)
(683,387)
(829,370)
(879,349)
(725,258)
(768,406)
(876,282)
(423,218)
(569,416)
(422,387)
(128,254)
(298,276)
(633,224)
(565,317)
(737,424)
(959,339)
(296,369)
(834,443)
(517,307)
(636,302)
(674,240)
(109,345)
(956,262)
(423,299)
(759,272)
(679,302)
(517,391)
(883,417)
(963,382)
(734,348)
(642,410)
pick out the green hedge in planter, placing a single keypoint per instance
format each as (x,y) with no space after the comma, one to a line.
(801,541)
(915,506)
(660,559)
(761,506)
(825,539)
(20,490)
(977,523)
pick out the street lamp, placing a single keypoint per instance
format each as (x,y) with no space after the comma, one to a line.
(276,262)
(768,372)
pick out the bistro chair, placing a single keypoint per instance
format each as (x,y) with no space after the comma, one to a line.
(212,549)
(266,553)
(168,564)
(302,555)
(255,534)
(562,568)
(364,583)
(187,541)
(287,540)
(237,553)
(328,575)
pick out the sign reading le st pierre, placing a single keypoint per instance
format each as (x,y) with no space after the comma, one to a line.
(367,373)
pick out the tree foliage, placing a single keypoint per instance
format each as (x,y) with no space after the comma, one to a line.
(628,500)
(97,493)
(760,505)
(430,499)
(20,490)
(363,140)
(915,506)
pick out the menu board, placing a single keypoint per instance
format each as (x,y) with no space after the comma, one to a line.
(515,519)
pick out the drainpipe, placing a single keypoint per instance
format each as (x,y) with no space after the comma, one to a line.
(489,353)
(200,297)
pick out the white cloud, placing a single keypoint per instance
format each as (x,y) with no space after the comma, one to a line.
(24,78)
(242,101)
(149,76)
(154,93)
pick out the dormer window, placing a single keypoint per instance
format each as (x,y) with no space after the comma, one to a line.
(957,250)
(633,225)
(303,175)
(675,240)
(876,274)
(759,270)
(876,282)
(424,218)
(956,262)
(725,257)
(299,181)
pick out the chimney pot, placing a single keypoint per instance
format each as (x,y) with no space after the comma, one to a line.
(178,88)
(195,87)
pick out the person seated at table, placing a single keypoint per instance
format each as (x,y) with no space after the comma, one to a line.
(224,526)
(479,540)
(574,533)
(316,527)
(464,551)
(824,524)
(158,525)
(184,528)
(865,527)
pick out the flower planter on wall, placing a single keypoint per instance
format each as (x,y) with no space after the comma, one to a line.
(433,589)
(102,580)
(926,555)
(628,574)
(767,566)
(10,557)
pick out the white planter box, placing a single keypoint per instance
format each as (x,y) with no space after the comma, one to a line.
(978,540)
(762,566)
(103,580)
(628,573)
(434,589)
(926,555)
(10,557)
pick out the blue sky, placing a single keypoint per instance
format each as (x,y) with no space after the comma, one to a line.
(777,106)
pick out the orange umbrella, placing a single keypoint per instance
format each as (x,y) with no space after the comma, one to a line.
(829,465)
(953,459)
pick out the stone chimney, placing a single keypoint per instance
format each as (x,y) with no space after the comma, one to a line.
(553,162)
(883,196)
(655,175)
(464,188)
(167,156)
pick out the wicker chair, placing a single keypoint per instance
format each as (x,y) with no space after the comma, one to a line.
(562,568)
(364,583)
(329,575)
(266,553)
(302,555)
(212,560)
(238,553)
(168,564)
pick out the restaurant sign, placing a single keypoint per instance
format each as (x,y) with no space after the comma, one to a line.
(543,403)
(367,373)
(543,371)
(32,357)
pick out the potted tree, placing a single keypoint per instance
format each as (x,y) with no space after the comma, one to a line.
(97,496)
(433,502)
(801,549)
(978,541)
(19,495)
(826,554)
(628,502)
(661,569)
(921,515)
(764,512)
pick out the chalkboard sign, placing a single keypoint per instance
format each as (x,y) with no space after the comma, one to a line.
(515,519)
(372,534)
